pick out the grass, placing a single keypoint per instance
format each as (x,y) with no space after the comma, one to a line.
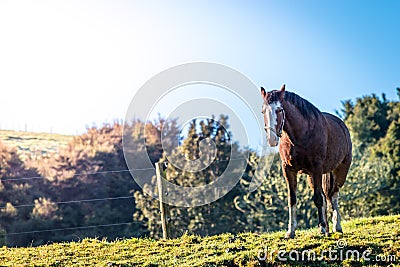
(34,143)
(379,236)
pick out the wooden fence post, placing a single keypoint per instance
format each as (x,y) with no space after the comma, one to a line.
(163,206)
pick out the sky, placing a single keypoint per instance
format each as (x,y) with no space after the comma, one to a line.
(67,65)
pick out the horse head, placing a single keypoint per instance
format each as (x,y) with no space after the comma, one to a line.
(274,115)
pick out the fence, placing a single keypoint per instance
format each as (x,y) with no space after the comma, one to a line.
(166,219)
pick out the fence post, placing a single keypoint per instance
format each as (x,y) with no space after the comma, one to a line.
(163,206)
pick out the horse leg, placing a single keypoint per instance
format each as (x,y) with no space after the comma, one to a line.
(336,215)
(339,174)
(327,187)
(320,201)
(291,182)
(332,200)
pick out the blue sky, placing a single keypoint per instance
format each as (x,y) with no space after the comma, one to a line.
(65,65)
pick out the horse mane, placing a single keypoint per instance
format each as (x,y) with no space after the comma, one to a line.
(308,110)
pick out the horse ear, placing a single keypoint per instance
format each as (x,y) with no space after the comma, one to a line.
(263,92)
(282,92)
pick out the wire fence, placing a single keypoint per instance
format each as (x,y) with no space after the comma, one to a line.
(209,213)
(74,175)
(101,172)
(66,202)
(73,201)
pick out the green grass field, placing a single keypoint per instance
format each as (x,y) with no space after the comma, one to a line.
(34,143)
(375,238)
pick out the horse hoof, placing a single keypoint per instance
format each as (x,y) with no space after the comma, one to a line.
(338,231)
(289,235)
(322,230)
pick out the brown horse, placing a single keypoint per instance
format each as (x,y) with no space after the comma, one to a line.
(311,142)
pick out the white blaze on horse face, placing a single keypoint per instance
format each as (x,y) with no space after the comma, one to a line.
(272,122)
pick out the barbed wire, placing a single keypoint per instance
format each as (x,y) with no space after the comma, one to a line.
(205,214)
(77,174)
(103,172)
(95,199)
(131,196)
(73,201)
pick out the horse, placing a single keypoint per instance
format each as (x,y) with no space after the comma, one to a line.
(311,142)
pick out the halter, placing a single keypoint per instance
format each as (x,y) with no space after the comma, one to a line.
(279,132)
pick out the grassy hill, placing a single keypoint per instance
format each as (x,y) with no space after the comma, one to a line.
(377,238)
(33,143)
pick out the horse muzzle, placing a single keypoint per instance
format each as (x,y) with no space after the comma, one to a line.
(272,136)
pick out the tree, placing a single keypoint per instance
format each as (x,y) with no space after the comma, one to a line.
(372,186)
(15,191)
(217,217)
(85,184)
(367,119)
